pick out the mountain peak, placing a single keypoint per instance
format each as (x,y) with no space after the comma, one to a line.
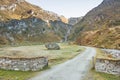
(19,9)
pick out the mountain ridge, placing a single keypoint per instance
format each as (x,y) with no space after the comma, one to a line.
(102,18)
(105,14)
(18,9)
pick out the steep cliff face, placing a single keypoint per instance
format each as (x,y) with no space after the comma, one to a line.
(21,21)
(61,29)
(30,29)
(34,30)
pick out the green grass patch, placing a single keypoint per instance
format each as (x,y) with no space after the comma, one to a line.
(15,75)
(104,76)
(93,75)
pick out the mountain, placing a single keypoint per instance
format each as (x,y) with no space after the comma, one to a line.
(19,9)
(105,15)
(74,20)
(103,38)
(95,27)
(21,21)
(62,29)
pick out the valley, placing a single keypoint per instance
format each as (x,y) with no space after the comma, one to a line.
(70,68)
(38,44)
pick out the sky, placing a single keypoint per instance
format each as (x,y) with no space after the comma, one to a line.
(67,8)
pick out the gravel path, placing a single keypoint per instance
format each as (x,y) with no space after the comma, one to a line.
(74,69)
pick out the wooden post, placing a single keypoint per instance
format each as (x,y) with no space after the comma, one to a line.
(93,62)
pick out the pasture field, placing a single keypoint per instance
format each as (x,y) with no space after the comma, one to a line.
(54,57)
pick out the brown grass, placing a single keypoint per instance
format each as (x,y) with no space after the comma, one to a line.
(103,38)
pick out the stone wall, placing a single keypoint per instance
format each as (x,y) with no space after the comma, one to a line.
(108,66)
(23,64)
(115,53)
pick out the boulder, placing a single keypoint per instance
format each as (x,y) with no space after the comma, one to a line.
(52,46)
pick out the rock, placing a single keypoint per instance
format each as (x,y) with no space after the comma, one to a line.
(52,46)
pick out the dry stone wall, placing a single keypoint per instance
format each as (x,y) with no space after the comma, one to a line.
(108,66)
(115,53)
(23,64)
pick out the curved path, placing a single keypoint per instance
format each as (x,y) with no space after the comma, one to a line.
(74,69)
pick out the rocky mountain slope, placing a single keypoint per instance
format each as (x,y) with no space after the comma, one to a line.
(105,15)
(74,20)
(34,30)
(19,9)
(101,18)
(21,21)
(103,38)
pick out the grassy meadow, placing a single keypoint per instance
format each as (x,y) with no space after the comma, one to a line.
(54,56)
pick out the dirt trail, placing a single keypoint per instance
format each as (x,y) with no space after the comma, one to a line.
(74,69)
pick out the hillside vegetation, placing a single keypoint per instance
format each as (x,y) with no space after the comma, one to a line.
(104,38)
(98,27)
(105,15)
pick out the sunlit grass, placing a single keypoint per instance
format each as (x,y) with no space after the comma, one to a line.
(15,75)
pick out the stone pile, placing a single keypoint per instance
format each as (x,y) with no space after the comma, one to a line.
(108,66)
